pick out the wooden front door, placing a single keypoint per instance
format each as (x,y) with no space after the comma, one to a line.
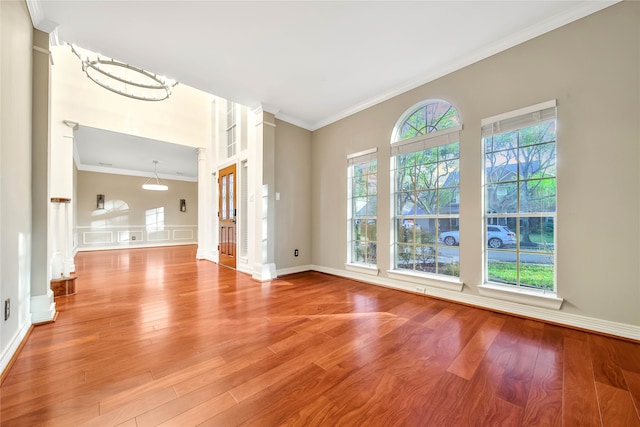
(227,216)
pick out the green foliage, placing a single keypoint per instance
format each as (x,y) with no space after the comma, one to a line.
(539,276)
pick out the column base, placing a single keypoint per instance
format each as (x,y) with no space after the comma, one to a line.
(264,272)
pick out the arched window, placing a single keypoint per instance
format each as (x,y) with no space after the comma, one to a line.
(427,117)
(425,158)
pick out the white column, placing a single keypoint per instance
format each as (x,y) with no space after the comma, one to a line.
(202,203)
(264,188)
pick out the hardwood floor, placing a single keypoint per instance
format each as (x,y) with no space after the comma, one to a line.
(154,337)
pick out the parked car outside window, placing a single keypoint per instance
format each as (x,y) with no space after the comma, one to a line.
(498,236)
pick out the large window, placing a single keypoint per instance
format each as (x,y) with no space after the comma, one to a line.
(426,169)
(520,197)
(362,208)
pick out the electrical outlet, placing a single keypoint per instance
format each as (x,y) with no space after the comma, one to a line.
(7,308)
(421,289)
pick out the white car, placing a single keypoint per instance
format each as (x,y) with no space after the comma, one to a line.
(497,237)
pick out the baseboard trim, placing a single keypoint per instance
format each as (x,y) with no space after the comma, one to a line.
(294,270)
(13,351)
(621,330)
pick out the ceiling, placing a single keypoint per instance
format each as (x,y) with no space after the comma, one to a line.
(309,62)
(100,150)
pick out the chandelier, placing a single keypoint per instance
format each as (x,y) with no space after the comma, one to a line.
(122,78)
(155,186)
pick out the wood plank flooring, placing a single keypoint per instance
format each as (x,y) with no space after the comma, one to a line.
(154,337)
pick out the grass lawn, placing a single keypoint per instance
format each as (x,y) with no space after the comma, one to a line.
(531,275)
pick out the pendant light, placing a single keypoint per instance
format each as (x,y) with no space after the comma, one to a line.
(150,185)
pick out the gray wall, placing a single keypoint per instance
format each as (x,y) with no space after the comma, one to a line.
(592,68)
(293,182)
(16,41)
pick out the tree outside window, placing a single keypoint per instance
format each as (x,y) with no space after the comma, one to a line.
(426,162)
(520,194)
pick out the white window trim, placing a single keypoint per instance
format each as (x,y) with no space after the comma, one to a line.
(534,297)
(427,279)
(370,269)
(518,293)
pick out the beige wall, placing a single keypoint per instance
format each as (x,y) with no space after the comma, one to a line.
(16,65)
(592,68)
(126,202)
(293,183)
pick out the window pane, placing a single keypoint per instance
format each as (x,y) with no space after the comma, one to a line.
(426,259)
(501,198)
(501,234)
(505,141)
(427,202)
(537,235)
(502,267)
(537,273)
(538,195)
(359,206)
(224,197)
(405,179)
(371,255)
(406,230)
(358,229)
(371,230)
(449,261)
(372,185)
(425,230)
(538,161)
(543,132)
(501,166)
(359,251)
(426,176)
(359,186)
(449,151)
(406,204)
(406,160)
(404,256)
(427,156)
(448,201)
(449,174)
(372,206)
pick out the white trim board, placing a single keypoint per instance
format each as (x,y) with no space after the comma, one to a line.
(622,330)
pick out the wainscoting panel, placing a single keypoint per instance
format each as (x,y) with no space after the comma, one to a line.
(123,236)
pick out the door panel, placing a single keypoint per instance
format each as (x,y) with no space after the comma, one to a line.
(227,216)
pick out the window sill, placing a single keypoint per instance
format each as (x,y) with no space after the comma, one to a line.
(426,279)
(523,296)
(371,270)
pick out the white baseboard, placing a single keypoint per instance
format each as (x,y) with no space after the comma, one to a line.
(13,346)
(549,315)
(264,272)
(43,308)
(293,270)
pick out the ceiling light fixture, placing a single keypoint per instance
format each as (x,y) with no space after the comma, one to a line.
(124,79)
(154,186)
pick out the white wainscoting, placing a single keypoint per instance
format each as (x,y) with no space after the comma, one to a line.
(131,236)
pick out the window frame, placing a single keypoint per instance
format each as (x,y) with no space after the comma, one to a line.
(415,144)
(360,158)
(499,125)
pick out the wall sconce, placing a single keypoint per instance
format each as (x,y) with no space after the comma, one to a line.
(100,201)
(183,205)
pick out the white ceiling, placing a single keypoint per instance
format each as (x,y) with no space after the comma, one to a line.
(310,62)
(100,150)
